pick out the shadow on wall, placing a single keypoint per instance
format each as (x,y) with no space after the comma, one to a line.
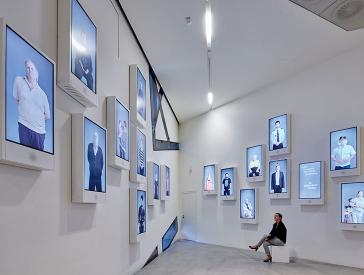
(134,253)
(74,217)
(16,184)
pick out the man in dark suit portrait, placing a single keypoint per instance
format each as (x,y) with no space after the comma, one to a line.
(277,180)
(156,187)
(83,62)
(141,215)
(96,164)
(226,184)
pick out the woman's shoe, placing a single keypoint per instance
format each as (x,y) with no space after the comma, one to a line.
(253,247)
(269,259)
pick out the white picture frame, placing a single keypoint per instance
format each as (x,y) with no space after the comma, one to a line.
(351,171)
(113,103)
(225,194)
(67,80)
(79,193)
(250,218)
(285,121)
(250,151)
(135,175)
(134,236)
(11,152)
(138,104)
(310,172)
(210,176)
(286,170)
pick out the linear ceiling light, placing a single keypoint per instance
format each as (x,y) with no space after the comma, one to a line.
(208,24)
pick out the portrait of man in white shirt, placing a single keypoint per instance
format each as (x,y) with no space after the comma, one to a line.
(254,166)
(343,154)
(277,136)
(33,107)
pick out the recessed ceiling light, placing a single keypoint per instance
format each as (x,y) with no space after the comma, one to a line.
(349,9)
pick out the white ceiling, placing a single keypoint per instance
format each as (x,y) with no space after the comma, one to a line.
(255,43)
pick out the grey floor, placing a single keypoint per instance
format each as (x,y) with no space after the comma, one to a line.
(186,257)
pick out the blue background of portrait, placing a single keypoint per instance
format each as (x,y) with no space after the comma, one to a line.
(251,151)
(156,172)
(209,169)
(90,128)
(121,114)
(351,137)
(250,194)
(141,143)
(310,172)
(141,193)
(349,190)
(283,120)
(81,22)
(141,98)
(272,169)
(230,171)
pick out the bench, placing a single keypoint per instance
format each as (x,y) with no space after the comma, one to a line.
(280,254)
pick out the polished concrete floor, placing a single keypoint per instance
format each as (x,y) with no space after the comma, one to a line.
(186,257)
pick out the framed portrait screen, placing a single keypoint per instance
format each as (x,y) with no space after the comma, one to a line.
(249,205)
(352,206)
(228,183)
(118,133)
(209,186)
(279,135)
(255,163)
(154,181)
(27,103)
(311,183)
(279,179)
(77,52)
(345,152)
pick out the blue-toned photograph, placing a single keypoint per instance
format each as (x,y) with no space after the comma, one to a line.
(209,178)
(122,131)
(343,148)
(141,96)
(247,203)
(83,57)
(142,212)
(310,180)
(278,176)
(168,181)
(95,157)
(227,182)
(352,202)
(254,161)
(278,132)
(156,180)
(141,153)
(29,92)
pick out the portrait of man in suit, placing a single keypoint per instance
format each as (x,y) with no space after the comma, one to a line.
(141,214)
(96,164)
(277,180)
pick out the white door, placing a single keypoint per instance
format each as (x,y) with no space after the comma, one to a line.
(189,219)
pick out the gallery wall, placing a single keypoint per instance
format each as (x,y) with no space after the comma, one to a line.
(42,232)
(325,97)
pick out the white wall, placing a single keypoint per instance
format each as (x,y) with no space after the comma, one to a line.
(326,97)
(42,232)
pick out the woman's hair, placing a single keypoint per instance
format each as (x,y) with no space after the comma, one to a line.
(279,215)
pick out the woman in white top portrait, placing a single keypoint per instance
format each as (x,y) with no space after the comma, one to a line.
(247,209)
(358,207)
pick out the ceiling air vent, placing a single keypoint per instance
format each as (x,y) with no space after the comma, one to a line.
(347,14)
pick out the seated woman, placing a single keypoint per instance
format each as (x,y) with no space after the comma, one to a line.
(276,237)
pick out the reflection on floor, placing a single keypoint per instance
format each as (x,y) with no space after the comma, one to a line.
(186,257)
